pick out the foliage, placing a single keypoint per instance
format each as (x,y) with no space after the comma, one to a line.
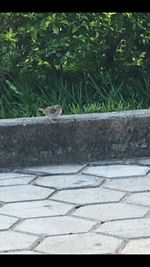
(74,42)
(87,62)
(23,97)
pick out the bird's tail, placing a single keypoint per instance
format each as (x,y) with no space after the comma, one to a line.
(41,109)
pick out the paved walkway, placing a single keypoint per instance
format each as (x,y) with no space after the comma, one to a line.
(101,208)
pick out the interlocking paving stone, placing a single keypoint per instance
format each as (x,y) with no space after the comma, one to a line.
(115,171)
(89,243)
(126,228)
(55,225)
(112,211)
(88,195)
(129,184)
(23,192)
(69,181)
(11,175)
(56,169)
(48,216)
(141,246)
(10,240)
(35,209)
(15,181)
(21,252)
(139,198)
(6,222)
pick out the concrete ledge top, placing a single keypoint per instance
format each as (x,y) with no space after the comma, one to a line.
(77,117)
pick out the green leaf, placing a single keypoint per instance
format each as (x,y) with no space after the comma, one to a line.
(10,36)
(109,14)
(75,28)
(13,88)
(68,54)
(97,34)
(55,29)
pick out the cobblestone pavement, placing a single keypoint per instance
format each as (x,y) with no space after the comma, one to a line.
(98,208)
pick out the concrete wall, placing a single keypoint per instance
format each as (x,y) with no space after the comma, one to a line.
(74,138)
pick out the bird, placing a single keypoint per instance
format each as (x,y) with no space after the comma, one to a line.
(52,112)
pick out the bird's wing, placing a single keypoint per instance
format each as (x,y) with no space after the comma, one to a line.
(51,110)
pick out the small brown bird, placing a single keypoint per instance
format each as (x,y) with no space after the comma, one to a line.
(52,112)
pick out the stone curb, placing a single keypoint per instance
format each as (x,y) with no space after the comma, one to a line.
(74,138)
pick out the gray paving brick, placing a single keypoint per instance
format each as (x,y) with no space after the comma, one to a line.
(88,195)
(10,240)
(115,171)
(69,181)
(140,246)
(70,234)
(35,209)
(89,243)
(130,184)
(139,198)
(112,211)
(11,175)
(6,222)
(55,225)
(23,192)
(56,169)
(15,181)
(21,252)
(126,228)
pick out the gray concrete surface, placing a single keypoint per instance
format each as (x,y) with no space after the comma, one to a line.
(96,208)
(74,138)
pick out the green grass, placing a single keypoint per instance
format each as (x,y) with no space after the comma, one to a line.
(23,96)
(102,107)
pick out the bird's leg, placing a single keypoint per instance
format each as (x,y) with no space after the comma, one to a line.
(50,119)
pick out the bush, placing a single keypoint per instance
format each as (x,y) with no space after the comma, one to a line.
(75,43)
(83,61)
